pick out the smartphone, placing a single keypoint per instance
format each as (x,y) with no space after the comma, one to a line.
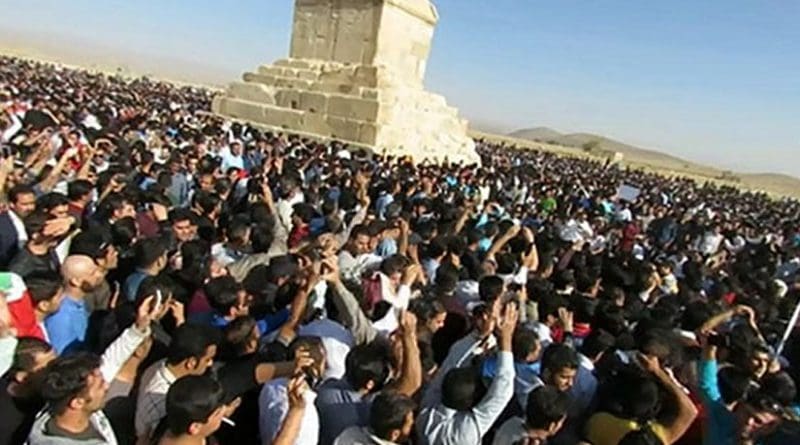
(159,301)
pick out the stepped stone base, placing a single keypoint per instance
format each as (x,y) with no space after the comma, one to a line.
(365,105)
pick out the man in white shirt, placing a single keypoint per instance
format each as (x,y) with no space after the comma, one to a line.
(191,352)
(455,421)
(273,402)
(545,414)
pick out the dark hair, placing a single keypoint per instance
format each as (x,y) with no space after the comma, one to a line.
(733,383)
(559,356)
(150,286)
(49,201)
(312,344)
(124,231)
(523,343)
(19,189)
(490,288)
(388,412)
(462,389)
(546,405)
(93,243)
(207,201)
(65,379)
(78,188)
(192,399)
(393,264)
(148,250)
(181,214)
(365,363)
(222,294)
(190,341)
(25,354)
(237,333)
(43,285)
(780,386)
(426,309)
(112,203)
(35,222)
(599,341)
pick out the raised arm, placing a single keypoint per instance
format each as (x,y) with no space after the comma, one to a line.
(118,352)
(411,375)
(502,388)
(687,412)
(50,181)
(350,313)
(502,241)
(290,429)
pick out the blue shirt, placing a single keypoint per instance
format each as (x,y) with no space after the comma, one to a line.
(132,284)
(382,203)
(266,325)
(720,428)
(67,327)
(340,407)
(387,248)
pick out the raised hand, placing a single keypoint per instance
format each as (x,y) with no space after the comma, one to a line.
(146,313)
(296,390)
(177,310)
(507,325)
(567,319)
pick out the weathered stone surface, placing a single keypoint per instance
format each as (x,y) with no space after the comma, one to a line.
(355,73)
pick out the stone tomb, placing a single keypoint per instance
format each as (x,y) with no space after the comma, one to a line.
(355,74)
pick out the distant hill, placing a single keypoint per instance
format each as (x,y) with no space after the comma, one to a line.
(542,134)
(600,145)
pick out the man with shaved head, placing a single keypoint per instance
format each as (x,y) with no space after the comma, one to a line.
(67,327)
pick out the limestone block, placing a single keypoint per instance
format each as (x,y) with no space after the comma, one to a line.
(293,83)
(337,75)
(346,88)
(314,102)
(241,109)
(253,92)
(343,128)
(324,87)
(271,70)
(287,98)
(306,74)
(290,119)
(316,123)
(354,108)
(370,93)
(259,78)
(366,75)
(368,133)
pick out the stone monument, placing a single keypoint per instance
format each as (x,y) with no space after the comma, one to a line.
(355,74)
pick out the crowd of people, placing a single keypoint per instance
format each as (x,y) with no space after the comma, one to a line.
(170,277)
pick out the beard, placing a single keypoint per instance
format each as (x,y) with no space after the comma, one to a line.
(88,287)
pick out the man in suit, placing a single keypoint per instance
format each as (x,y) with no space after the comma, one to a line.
(22,202)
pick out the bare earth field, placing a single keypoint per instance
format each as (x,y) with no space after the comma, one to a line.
(109,60)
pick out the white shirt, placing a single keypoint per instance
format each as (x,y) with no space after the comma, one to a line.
(273,405)
(337,341)
(512,431)
(440,425)
(19,226)
(358,435)
(151,405)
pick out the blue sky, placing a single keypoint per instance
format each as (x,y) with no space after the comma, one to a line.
(717,81)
